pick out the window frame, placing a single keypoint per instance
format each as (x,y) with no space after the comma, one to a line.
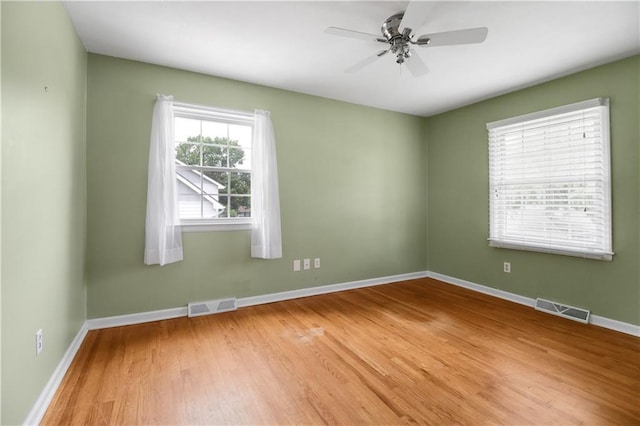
(219,115)
(497,239)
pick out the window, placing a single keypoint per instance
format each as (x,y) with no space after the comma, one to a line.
(213,165)
(549,181)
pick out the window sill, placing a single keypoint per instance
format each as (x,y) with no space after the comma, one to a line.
(215,226)
(526,247)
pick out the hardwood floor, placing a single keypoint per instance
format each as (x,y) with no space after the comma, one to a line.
(419,351)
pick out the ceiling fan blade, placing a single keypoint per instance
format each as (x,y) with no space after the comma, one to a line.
(448,38)
(416,15)
(416,65)
(343,32)
(363,63)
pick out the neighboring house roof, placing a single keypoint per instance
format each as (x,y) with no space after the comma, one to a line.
(194,176)
(192,179)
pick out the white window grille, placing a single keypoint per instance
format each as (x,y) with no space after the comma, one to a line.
(549,181)
(213,165)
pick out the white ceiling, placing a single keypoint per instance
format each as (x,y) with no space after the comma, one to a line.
(283,45)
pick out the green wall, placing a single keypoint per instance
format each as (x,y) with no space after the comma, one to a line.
(352,188)
(43,197)
(458,198)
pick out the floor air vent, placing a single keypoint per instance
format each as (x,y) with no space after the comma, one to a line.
(576,314)
(212,307)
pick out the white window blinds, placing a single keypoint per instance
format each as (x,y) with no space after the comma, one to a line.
(549,181)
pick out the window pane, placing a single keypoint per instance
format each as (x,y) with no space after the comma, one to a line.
(209,185)
(240,183)
(187,153)
(240,207)
(213,130)
(217,141)
(241,134)
(211,206)
(186,129)
(189,181)
(224,200)
(220,180)
(214,156)
(238,158)
(190,206)
(246,163)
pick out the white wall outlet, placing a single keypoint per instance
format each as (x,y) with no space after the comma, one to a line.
(316,262)
(296,265)
(306,264)
(507,267)
(38,342)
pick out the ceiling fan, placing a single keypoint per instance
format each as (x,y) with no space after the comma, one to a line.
(397,32)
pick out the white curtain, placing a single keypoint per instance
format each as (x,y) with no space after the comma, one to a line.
(163,236)
(266,239)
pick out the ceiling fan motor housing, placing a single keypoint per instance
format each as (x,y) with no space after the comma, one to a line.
(399,41)
(390,27)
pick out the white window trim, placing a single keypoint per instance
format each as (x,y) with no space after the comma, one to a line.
(551,112)
(224,115)
(605,134)
(230,224)
(231,116)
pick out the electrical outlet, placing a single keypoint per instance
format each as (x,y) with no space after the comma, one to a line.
(306,264)
(316,262)
(507,267)
(38,342)
(296,265)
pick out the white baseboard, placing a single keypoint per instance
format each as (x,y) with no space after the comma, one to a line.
(527,301)
(42,403)
(611,324)
(130,319)
(324,289)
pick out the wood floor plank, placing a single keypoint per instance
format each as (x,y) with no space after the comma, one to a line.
(415,352)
